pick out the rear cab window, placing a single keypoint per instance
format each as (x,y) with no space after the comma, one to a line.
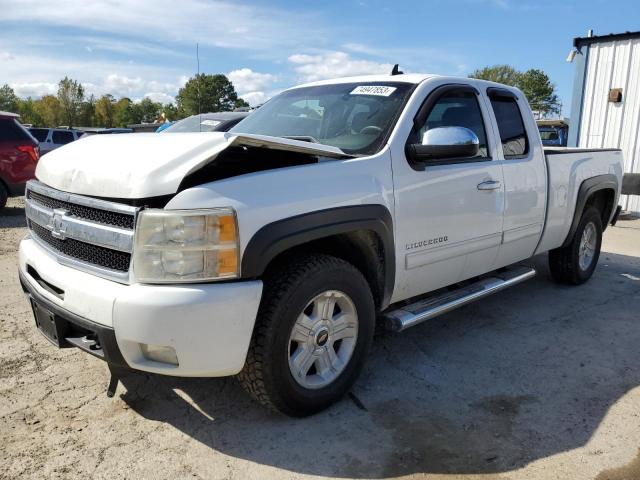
(513,135)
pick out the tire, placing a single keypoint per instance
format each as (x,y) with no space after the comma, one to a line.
(573,265)
(3,196)
(294,295)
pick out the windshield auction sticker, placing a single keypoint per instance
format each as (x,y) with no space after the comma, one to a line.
(380,91)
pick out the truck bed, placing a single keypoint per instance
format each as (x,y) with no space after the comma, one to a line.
(567,169)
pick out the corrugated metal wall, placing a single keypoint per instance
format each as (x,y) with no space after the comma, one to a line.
(604,124)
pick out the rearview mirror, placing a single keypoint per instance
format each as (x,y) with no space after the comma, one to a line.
(444,143)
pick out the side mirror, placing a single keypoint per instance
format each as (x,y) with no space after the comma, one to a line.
(444,143)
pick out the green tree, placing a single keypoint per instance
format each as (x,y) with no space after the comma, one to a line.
(207,93)
(540,92)
(8,99)
(28,112)
(121,113)
(149,110)
(241,103)
(87,112)
(498,73)
(106,111)
(71,96)
(170,112)
(535,84)
(49,109)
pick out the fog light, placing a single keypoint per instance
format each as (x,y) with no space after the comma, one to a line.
(158,353)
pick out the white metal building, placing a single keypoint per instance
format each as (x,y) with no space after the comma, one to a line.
(605,109)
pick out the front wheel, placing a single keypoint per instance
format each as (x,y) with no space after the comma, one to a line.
(313,332)
(575,263)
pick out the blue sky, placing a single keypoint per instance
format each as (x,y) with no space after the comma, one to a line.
(147,48)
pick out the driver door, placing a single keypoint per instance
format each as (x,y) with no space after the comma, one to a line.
(448,213)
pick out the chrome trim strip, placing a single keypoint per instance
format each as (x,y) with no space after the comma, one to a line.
(85,231)
(41,188)
(62,259)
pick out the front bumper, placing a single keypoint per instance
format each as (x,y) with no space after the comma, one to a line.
(76,327)
(208,325)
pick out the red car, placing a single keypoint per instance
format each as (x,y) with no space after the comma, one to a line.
(19,154)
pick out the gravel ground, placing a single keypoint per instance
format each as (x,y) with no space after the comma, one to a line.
(537,382)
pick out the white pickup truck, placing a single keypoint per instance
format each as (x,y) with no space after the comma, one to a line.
(272,251)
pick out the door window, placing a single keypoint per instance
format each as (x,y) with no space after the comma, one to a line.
(513,135)
(39,133)
(62,137)
(458,109)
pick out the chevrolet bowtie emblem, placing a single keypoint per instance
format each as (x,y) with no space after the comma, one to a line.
(57,223)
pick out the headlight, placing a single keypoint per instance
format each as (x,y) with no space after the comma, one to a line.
(185,245)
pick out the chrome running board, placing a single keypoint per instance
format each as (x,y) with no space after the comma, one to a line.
(406,316)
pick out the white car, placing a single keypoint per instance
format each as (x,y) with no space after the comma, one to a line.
(270,251)
(52,138)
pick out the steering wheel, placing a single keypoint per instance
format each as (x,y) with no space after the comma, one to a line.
(371,129)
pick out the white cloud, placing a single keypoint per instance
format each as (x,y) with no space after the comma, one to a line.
(220,23)
(121,85)
(136,87)
(255,98)
(334,64)
(253,87)
(160,97)
(246,80)
(37,75)
(34,89)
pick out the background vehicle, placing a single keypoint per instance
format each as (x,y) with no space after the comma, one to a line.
(554,133)
(18,156)
(164,126)
(52,138)
(206,122)
(87,132)
(271,250)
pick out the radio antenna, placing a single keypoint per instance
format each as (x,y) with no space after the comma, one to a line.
(396,70)
(198,86)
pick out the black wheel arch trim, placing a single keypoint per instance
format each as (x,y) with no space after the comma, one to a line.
(587,188)
(282,235)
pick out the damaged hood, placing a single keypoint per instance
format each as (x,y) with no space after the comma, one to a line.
(143,165)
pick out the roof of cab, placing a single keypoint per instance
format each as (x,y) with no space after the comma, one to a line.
(404,78)
(411,78)
(9,114)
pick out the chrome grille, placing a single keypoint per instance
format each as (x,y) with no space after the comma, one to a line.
(82,232)
(106,217)
(103,257)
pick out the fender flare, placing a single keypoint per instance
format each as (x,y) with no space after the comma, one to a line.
(588,187)
(279,236)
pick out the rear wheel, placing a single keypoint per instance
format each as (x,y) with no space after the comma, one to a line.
(575,263)
(313,332)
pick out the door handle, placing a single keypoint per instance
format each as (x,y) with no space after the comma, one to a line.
(490,185)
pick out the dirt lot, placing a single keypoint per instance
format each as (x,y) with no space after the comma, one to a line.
(538,382)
